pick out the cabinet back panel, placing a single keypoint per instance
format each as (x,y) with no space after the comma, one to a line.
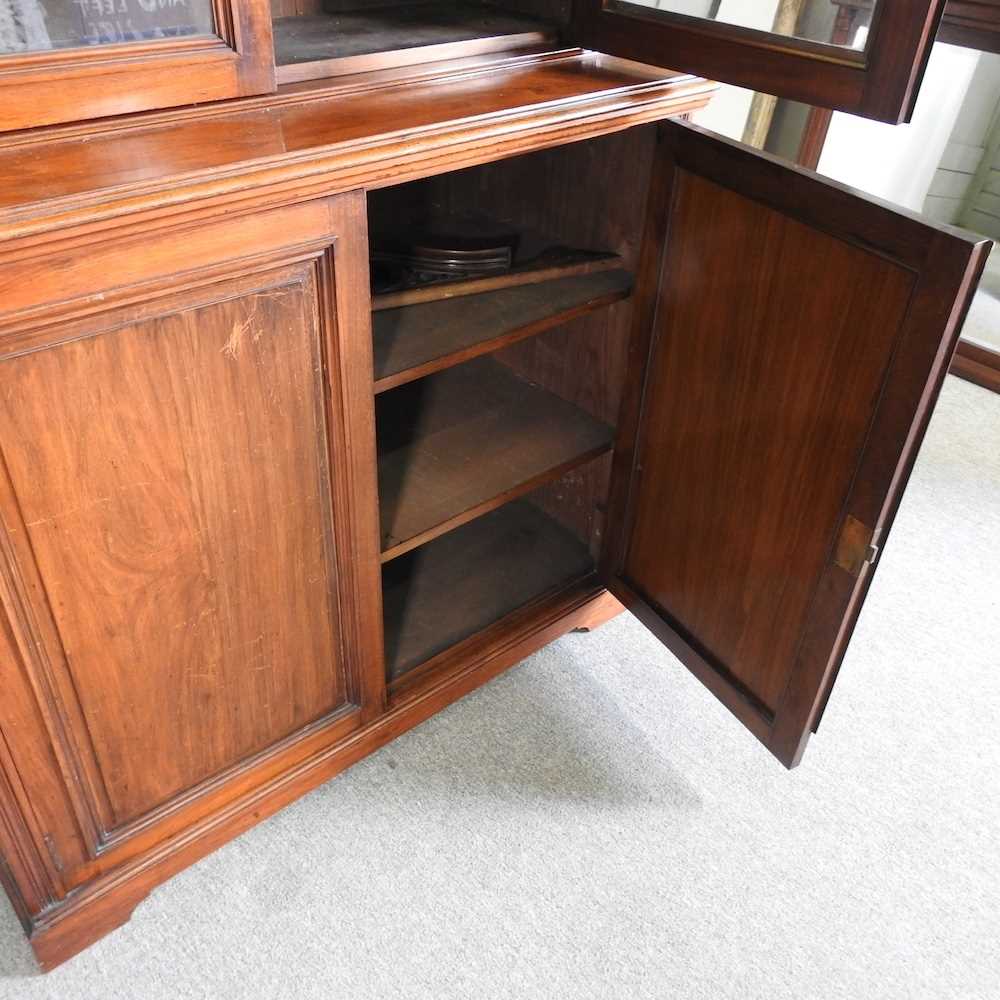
(171,477)
(588,195)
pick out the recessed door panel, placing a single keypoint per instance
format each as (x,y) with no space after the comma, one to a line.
(791,357)
(172,480)
(188,526)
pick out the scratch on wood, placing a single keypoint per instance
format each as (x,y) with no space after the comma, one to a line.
(250,324)
(99,501)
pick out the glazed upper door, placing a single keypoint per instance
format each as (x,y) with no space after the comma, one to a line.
(793,343)
(188,528)
(862,56)
(69,60)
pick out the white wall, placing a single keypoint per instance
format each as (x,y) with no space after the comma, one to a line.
(898,162)
(966,145)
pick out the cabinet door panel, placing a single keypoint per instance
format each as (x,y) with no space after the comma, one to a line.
(868,60)
(794,348)
(63,61)
(186,535)
(179,516)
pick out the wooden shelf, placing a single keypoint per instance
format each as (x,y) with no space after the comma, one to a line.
(416,340)
(532,266)
(466,580)
(362,41)
(464,441)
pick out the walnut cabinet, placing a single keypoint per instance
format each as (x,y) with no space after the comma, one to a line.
(263,509)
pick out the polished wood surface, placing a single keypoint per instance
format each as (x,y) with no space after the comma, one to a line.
(777,416)
(157,538)
(191,596)
(459,443)
(977,363)
(417,340)
(558,263)
(602,611)
(384,36)
(972,23)
(96,81)
(323,140)
(215,447)
(461,583)
(881,83)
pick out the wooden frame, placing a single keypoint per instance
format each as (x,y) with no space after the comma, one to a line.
(887,395)
(978,364)
(881,82)
(51,87)
(974,24)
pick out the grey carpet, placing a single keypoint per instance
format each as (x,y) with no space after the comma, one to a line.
(593,824)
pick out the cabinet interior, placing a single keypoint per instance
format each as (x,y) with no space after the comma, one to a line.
(321,38)
(497,394)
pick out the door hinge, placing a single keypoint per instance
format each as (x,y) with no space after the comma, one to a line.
(855,547)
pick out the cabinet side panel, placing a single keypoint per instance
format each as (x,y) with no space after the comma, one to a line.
(171,479)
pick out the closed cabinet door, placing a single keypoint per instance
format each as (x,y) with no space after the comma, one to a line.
(186,495)
(789,361)
(70,60)
(866,57)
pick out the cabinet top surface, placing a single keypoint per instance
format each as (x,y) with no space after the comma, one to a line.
(360,132)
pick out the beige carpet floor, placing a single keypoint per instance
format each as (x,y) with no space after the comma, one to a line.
(593,825)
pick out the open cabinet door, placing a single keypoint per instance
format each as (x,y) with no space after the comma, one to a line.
(793,336)
(862,56)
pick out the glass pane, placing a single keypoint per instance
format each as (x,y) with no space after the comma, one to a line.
(37,25)
(842,23)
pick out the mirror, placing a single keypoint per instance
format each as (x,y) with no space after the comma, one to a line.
(40,25)
(836,22)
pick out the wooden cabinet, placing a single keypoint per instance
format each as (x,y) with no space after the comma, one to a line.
(68,60)
(320,409)
(770,427)
(63,61)
(185,563)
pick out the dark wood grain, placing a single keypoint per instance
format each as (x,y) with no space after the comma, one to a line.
(471,578)
(972,23)
(466,440)
(793,410)
(417,340)
(978,364)
(788,372)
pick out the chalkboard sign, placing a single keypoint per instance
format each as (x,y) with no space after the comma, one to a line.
(36,25)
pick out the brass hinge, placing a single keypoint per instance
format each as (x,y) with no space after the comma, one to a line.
(854,547)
